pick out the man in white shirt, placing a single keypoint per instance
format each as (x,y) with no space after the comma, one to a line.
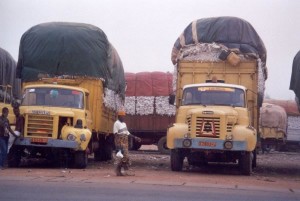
(121,141)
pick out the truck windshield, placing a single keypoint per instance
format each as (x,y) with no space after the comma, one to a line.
(53,97)
(214,95)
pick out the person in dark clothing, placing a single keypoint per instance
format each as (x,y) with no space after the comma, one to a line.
(4,136)
(19,128)
(19,121)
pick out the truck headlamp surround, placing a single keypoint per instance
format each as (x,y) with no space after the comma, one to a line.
(187,143)
(82,137)
(228,144)
(71,137)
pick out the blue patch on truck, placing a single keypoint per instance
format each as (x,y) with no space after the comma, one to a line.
(212,144)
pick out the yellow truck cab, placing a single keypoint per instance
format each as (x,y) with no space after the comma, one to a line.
(215,121)
(56,116)
(62,116)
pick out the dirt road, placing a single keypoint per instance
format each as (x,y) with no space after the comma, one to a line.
(275,170)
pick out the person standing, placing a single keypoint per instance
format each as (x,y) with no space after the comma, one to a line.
(4,136)
(121,142)
(19,121)
(19,127)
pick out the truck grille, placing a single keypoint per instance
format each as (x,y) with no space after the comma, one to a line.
(211,123)
(229,128)
(188,121)
(40,126)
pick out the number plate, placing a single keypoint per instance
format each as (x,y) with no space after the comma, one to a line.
(207,144)
(39,140)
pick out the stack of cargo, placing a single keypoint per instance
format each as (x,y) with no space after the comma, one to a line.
(10,86)
(292,124)
(8,75)
(62,49)
(147,105)
(218,39)
(273,125)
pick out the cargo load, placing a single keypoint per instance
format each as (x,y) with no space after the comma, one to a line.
(273,126)
(8,73)
(70,49)
(147,106)
(292,124)
(10,86)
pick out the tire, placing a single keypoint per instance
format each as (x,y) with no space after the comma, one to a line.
(162,146)
(176,160)
(80,159)
(14,157)
(245,163)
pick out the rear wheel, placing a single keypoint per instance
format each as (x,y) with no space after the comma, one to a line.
(162,146)
(245,163)
(176,160)
(80,159)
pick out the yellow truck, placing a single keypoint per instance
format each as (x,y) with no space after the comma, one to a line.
(217,102)
(70,95)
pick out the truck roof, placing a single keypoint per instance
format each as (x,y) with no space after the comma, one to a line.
(215,84)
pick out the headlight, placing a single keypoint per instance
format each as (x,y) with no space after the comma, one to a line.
(82,137)
(186,142)
(71,137)
(228,145)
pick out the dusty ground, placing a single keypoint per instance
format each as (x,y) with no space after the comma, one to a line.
(274,170)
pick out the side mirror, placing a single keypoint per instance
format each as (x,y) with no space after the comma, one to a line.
(171,99)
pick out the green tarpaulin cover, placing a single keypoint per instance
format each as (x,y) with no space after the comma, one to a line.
(75,49)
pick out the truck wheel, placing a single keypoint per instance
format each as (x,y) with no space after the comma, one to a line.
(245,163)
(176,160)
(14,157)
(162,146)
(80,159)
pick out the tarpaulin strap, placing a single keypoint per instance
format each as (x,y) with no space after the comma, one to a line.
(194,31)
(182,40)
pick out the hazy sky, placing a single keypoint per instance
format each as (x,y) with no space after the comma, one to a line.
(144,32)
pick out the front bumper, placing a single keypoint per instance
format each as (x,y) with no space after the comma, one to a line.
(210,144)
(50,143)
